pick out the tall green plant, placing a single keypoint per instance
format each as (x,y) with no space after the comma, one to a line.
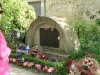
(89,36)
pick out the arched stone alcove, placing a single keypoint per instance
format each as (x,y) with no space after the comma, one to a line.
(60,34)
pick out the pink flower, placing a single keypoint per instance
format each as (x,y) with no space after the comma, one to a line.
(94,68)
(30,64)
(38,66)
(45,68)
(50,69)
(25,63)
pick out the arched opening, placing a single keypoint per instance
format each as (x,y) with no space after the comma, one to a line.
(49,37)
(61,39)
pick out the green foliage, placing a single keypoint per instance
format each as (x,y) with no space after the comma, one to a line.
(12,45)
(89,36)
(17,14)
(62,71)
(77,55)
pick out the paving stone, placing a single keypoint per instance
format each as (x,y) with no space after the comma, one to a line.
(18,70)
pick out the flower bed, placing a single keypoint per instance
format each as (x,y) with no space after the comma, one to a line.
(38,64)
(87,65)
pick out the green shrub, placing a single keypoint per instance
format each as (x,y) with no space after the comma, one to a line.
(62,71)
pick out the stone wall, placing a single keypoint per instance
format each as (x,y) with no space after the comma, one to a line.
(64,8)
(92,6)
(71,9)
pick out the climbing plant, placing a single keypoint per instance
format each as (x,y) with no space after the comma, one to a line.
(94,17)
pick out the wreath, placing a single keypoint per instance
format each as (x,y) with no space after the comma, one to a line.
(85,66)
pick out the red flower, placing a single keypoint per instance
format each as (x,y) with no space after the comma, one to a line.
(69,64)
(85,62)
(90,65)
(81,61)
(44,56)
(18,63)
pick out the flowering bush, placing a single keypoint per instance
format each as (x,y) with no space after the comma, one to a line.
(17,15)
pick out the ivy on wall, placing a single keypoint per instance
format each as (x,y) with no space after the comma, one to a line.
(94,17)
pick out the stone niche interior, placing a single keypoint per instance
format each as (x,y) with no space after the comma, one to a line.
(49,37)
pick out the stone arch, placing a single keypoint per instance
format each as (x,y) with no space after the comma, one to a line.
(68,37)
